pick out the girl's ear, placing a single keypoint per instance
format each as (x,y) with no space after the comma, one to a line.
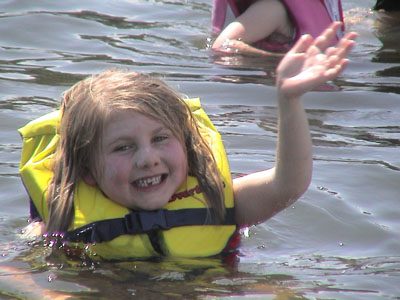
(88,178)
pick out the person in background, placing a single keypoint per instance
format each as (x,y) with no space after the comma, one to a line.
(270,27)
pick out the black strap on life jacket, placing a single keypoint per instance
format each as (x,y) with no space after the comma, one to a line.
(138,222)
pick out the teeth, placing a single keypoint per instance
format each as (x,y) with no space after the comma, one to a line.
(148,181)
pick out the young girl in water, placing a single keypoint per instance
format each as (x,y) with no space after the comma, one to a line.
(134,170)
(270,27)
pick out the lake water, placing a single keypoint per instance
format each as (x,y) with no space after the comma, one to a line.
(341,240)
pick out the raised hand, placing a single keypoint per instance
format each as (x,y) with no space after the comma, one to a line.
(311,63)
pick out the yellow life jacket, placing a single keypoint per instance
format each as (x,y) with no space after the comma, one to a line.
(182,228)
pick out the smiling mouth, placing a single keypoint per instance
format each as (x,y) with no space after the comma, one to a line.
(150,181)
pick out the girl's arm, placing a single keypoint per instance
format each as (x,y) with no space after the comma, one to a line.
(259,21)
(307,65)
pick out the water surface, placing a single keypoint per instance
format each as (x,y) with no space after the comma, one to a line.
(341,240)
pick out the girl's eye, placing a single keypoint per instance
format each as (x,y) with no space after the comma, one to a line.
(160,138)
(122,148)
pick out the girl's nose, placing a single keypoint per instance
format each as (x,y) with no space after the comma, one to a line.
(146,157)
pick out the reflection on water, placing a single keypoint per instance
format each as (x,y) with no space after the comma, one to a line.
(339,241)
(325,277)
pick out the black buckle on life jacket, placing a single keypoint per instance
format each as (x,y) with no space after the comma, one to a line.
(146,221)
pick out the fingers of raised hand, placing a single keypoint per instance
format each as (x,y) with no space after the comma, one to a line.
(335,55)
(346,44)
(342,47)
(302,44)
(324,40)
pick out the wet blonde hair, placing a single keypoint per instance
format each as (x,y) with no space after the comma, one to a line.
(87,106)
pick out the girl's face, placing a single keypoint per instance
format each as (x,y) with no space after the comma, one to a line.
(144,163)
